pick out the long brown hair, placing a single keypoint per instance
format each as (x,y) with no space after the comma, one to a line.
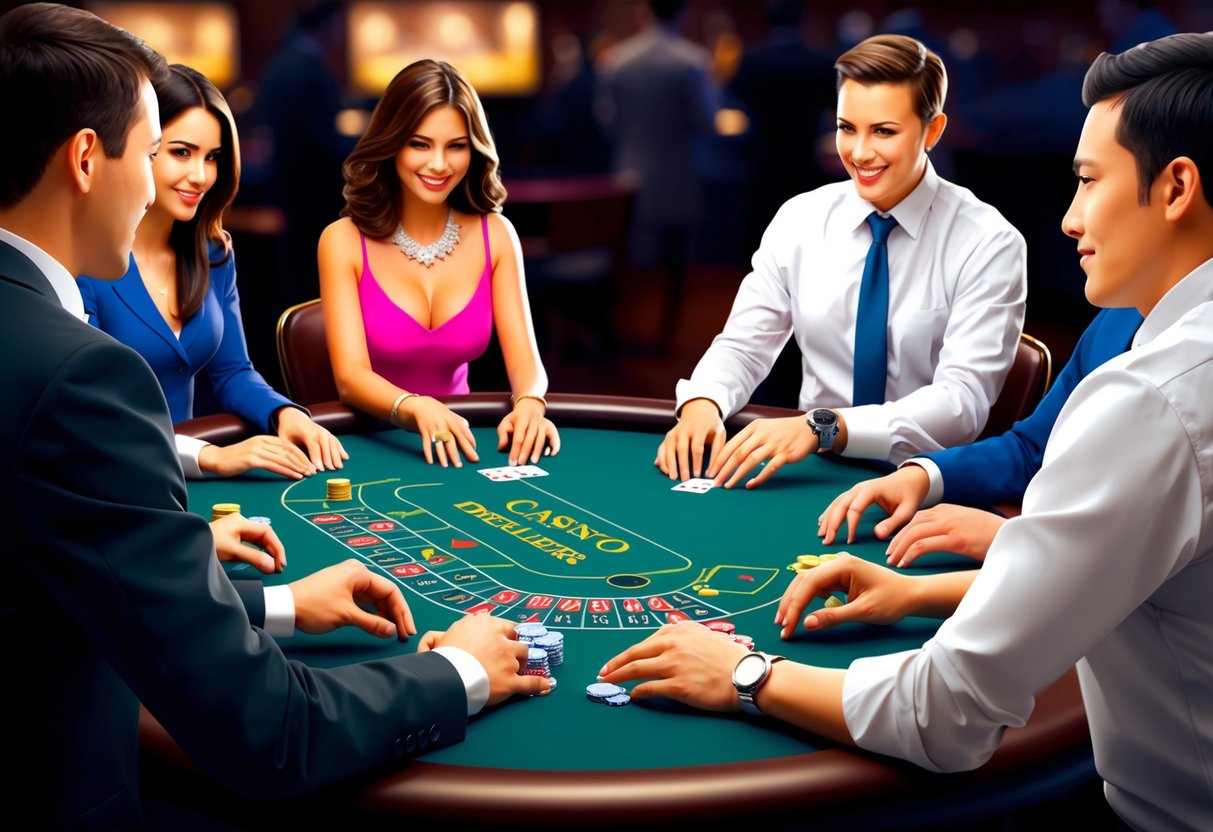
(184,88)
(372,188)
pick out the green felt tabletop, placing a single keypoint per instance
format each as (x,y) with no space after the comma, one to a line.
(601,549)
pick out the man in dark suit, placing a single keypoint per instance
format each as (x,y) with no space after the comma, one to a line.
(110,592)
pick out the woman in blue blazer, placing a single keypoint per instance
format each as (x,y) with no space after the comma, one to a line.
(177,305)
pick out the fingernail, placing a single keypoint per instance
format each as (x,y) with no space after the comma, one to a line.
(513,461)
(601,672)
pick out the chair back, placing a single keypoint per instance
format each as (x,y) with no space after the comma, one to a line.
(1026,384)
(303,355)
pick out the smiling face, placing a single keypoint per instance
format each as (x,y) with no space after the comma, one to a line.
(1118,238)
(882,141)
(436,157)
(186,166)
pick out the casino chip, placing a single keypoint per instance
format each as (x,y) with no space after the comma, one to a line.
(601,691)
(223,510)
(338,489)
(618,700)
(529,631)
(263,520)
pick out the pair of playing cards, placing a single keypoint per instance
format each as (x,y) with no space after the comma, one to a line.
(512,472)
(699,485)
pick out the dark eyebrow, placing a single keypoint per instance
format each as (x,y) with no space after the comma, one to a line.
(877,124)
(191,145)
(431,141)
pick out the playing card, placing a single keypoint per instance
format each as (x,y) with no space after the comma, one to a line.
(698,485)
(502,474)
(527,471)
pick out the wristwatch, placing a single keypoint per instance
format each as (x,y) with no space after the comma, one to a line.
(749,675)
(824,423)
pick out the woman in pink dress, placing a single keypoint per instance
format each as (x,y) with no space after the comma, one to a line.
(422,266)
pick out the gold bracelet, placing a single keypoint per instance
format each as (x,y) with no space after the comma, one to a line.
(396,406)
(515,399)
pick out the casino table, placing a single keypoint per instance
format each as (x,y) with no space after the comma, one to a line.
(603,550)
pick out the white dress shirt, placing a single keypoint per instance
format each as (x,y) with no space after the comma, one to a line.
(1110,566)
(957,287)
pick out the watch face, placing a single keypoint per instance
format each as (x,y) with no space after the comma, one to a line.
(749,670)
(825,418)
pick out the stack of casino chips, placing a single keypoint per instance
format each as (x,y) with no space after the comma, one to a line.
(551,643)
(339,489)
(804,562)
(537,665)
(541,658)
(528,631)
(223,510)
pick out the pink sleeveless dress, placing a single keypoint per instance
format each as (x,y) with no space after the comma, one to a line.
(432,362)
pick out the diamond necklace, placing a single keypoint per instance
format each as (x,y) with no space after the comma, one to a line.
(437,250)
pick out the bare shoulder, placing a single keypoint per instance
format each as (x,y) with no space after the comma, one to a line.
(501,230)
(339,235)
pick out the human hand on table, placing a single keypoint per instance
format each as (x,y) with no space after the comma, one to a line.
(267,452)
(444,433)
(323,449)
(233,531)
(945,528)
(680,455)
(343,594)
(531,433)
(775,441)
(684,661)
(899,494)
(875,595)
(492,642)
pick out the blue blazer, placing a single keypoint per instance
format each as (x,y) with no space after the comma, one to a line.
(213,339)
(111,595)
(997,470)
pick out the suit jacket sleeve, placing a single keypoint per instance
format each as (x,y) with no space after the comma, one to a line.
(238,386)
(997,470)
(96,476)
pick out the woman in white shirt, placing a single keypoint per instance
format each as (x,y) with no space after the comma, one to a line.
(956,289)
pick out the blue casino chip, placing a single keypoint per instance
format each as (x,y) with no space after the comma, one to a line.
(617,701)
(600,691)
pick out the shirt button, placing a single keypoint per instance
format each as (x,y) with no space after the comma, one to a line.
(423,738)
(398,748)
(435,733)
(410,744)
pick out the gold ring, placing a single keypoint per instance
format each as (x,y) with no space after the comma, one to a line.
(441,436)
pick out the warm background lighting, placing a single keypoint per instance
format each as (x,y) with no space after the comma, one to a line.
(494,44)
(201,35)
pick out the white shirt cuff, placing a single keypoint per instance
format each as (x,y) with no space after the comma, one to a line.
(934,475)
(475,679)
(188,449)
(279,611)
(868,434)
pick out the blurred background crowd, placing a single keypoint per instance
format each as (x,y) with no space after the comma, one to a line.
(631,276)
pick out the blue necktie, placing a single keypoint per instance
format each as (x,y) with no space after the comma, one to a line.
(872,317)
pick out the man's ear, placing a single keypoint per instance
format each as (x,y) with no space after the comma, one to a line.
(1181,187)
(83,151)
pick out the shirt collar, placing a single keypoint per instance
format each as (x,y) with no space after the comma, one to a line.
(1196,288)
(59,277)
(910,213)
